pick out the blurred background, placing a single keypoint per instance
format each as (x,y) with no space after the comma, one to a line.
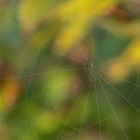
(69,69)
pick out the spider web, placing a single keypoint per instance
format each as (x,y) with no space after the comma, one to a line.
(100,93)
(97,91)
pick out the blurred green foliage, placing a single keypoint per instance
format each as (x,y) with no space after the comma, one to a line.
(49,88)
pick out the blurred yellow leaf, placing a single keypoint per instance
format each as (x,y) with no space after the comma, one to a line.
(2,105)
(48,122)
(132,54)
(121,67)
(33,11)
(75,15)
(122,28)
(78,15)
(58,83)
(117,70)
